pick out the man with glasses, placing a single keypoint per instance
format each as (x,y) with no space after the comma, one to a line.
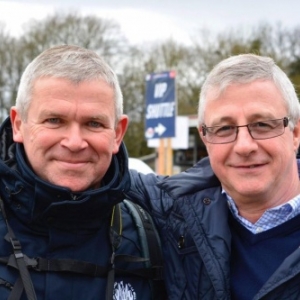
(230,225)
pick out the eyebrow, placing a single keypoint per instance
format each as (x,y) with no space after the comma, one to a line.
(221,120)
(52,114)
(252,119)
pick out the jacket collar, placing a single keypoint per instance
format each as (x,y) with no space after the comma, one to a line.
(194,179)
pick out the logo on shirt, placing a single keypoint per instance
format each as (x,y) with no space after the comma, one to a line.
(123,291)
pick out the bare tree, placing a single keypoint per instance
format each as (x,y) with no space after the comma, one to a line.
(101,35)
(8,71)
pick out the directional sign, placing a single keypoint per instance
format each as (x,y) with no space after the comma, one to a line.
(161,108)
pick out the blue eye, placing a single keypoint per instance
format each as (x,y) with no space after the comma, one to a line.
(53,120)
(95,124)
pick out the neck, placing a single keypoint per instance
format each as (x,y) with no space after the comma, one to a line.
(252,215)
(253,207)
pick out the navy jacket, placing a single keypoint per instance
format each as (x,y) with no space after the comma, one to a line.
(191,215)
(54,223)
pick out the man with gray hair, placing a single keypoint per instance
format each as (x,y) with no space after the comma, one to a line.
(63,173)
(230,224)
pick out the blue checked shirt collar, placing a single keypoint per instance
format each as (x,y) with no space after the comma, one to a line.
(271,217)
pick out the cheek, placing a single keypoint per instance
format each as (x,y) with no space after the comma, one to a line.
(30,134)
(107,141)
(217,152)
(102,144)
(283,147)
(218,156)
(39,141)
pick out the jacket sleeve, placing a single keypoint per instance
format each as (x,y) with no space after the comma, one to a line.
(158,193)
(144,190)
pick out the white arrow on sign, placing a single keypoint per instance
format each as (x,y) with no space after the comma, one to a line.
(160,129)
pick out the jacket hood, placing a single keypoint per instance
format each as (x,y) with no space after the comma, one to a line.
(34,200)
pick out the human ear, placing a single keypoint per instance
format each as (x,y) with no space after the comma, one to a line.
(200,130)
(16,122)
(120,131)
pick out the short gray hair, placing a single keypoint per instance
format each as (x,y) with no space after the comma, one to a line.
(68,62)
(246,68)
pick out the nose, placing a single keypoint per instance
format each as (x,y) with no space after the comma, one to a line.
(73,138)
(244,143)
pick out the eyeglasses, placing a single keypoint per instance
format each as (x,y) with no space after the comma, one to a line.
(261,130)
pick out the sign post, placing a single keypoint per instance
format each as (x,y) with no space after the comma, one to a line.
(161,110)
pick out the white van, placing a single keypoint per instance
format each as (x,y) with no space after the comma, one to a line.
(139,165)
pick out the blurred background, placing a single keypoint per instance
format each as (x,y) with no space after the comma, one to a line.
(138,38)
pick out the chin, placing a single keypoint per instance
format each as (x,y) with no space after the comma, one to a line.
(76,188)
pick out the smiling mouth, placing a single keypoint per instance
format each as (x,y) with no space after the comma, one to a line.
(72,163)
(250,167)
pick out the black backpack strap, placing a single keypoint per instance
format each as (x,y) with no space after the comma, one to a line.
(115,236)
(81,267)
(17,291)
(116,227)
(19,259)
(151,247)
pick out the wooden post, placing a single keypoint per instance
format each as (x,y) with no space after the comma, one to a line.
(165,157)
(169,157)
(161,158)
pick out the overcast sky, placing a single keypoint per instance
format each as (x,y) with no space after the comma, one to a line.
(143,20)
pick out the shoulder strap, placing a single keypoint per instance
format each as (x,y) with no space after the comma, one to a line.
(115,236)
(18,256)
(151,247)
(116,227)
